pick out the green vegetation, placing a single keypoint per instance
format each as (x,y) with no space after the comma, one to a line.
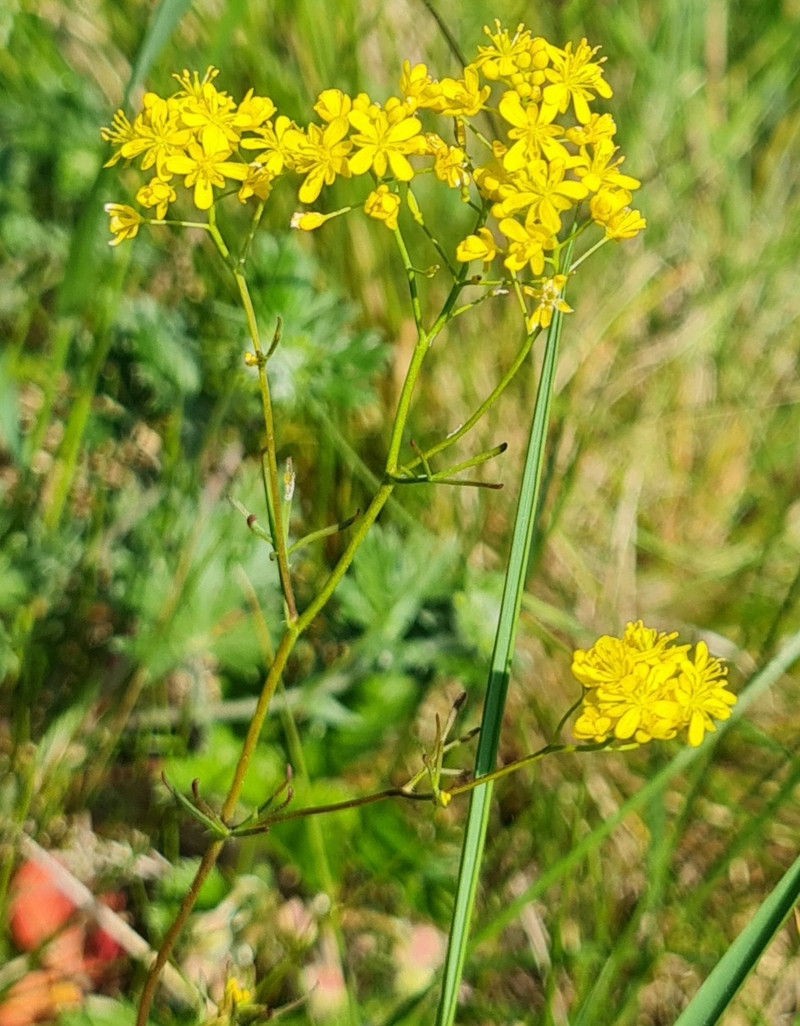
(138,615)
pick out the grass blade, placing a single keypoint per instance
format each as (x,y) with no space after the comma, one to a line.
(165,20)
(732,970)
(477,818)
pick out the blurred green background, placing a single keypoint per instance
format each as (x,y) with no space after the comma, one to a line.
(136,612)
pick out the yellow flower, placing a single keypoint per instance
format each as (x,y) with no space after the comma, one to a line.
(646,644)
(320,154)
(640,705)
(449,162)
(592,724)
(600,172)
(258,183)
(121,132)
(607,203)
(206,108)
(236,992)
(575,79)
(493,181)
(333,103)
(550,299)
(507,55)
(417,87)
(542,189)
(461,97)
(527,244)
(307,220)
(641,686)
(253,112)
(205,165)
(270,140)
(383,139)
(383,205)
(599,126)
(193,85)
(157,134)
(477,247)
(124,223)
(611,658)
(234,997)
(625,225)
(535,133)
(700,692)
(157,193)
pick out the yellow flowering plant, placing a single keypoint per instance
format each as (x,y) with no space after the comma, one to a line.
(517,139)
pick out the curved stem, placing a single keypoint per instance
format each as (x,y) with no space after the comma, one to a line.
(553,748)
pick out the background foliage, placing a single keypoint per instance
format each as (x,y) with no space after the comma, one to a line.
(136,611)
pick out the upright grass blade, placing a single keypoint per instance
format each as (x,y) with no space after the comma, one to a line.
(737,963)
(164,20)
(477,818)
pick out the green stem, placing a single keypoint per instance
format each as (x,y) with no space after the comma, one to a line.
(424,341)
(414,796)
(404,792)
(420,350)
(585,256)
(273,489)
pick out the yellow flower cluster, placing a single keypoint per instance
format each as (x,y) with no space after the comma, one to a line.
(642,686)
(552,155)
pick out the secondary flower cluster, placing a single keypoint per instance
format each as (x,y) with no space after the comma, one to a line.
(642,686)
(548,153)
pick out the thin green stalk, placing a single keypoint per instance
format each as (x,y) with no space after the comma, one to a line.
(273,488)
(268,822)
(404,403)
(420,350)
(314,828)
(477,818)
(424,341)
(207,863)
